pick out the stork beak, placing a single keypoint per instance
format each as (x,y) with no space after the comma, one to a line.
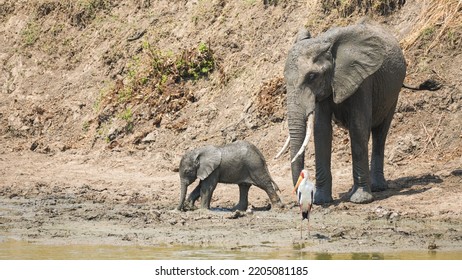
(300,178)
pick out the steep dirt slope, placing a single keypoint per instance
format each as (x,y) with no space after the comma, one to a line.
(60,60)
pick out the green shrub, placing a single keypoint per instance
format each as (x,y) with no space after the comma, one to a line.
(159,79)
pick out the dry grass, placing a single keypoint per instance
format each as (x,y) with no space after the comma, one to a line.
(270,100)
(439,20)
(79,13)
(345,12)
(347,8)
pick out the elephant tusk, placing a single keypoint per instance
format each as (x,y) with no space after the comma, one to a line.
(284,148)
(307,137)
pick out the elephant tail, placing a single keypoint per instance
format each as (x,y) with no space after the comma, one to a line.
(429,84)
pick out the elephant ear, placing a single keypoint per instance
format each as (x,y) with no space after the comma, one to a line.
(208,159)
(358,52)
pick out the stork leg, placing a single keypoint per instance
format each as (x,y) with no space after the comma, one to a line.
(309,234)
(301,229)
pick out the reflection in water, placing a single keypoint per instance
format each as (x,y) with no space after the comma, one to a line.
(30,251)
(323,256)
(366,256)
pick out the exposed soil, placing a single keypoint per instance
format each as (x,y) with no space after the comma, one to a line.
(77,170)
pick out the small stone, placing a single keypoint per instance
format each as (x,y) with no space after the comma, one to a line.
(432,246)
(151,137)
(236,214)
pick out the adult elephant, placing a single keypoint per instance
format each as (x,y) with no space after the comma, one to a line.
(353,75)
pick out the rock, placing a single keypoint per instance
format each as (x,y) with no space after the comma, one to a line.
(432,246)
(406,145)
(235,215)
(393,216)
(381,212)
(151,137)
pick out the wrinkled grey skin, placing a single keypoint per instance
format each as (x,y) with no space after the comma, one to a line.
(236,163)
(352,75)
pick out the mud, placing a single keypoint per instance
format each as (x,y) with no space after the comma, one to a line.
(120,199)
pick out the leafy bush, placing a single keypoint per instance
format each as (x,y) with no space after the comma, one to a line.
(159,79)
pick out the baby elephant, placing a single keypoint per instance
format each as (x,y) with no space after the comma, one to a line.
(236,163)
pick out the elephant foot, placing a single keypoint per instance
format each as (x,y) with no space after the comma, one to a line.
(279,205)
(322,196)
(192,208)
(379,186)
(360,195)
(189,206)
(277,202)
(240,207)
(183,207)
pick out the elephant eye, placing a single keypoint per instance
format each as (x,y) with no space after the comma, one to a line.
(310,77)
(189,172)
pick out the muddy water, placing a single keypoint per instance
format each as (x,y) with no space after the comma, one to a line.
(30,251)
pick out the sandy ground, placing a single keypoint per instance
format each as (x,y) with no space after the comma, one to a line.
(121,199)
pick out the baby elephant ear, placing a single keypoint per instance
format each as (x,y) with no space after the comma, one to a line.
(208,159)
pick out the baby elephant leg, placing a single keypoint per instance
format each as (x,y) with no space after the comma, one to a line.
(243,197)
(206,190)
(267,186)
(194,196)
(274,197)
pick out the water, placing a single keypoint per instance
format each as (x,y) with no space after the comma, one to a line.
(19,250)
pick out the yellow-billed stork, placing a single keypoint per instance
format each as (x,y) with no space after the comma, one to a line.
(305,193)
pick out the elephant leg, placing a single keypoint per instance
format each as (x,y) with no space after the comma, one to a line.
(379,136)
(323,149)
(361,191)
(206,190)
(194,195)
(243,197)
(359,128)
(263,181)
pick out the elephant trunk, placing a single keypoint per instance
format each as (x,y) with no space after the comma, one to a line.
(301,103)
(307,137)
(297,132)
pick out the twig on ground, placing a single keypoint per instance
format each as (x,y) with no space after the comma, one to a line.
(430,138)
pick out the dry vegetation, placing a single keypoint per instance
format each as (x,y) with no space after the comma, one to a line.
(159,80)
(438,24)
(347,8)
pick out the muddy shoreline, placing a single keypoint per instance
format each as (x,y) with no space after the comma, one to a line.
(71,199)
